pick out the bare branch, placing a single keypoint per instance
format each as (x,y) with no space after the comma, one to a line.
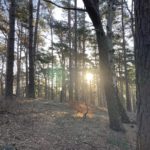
(67,8)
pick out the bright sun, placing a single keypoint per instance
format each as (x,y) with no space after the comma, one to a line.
(89,77)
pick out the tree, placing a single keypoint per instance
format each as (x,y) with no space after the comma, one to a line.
(70,55)
(76,52)
(110,18)
(52,64)
(106,73)
(31,86)
(60,29)
(128,101)
(142,50)
(19,49)
(10,51)
(36,27)
(2,56)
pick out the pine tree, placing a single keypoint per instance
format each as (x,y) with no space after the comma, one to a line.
(10,51)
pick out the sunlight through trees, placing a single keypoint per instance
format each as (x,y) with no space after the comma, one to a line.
(89,53)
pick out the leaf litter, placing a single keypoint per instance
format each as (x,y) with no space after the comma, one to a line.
(47,125)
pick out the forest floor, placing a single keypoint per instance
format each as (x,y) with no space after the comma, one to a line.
(46,125)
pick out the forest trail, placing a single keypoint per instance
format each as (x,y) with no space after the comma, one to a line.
(46,125)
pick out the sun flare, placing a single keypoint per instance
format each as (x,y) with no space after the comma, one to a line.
(89,77)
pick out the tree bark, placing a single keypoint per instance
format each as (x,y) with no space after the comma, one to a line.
(36,28)
(31,86)
(76,53)
(83,59)
(27,71)
(142,50)
(70,55)
(52,64)
(10,51)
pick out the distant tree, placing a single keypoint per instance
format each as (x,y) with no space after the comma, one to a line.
(60,29)
(19,49)
(128,101)
(2,58)
(76,51)
(70,55)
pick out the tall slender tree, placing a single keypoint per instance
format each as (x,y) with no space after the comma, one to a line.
(36,27)
(76,52)
(10,51)
(52,79)
(128,101)
(19,49)
(31,86)
(70,54)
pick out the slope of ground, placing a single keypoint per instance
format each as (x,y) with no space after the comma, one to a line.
(45,125)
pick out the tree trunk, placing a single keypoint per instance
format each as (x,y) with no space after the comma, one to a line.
(106,73)
(70,55)
(110,18)
(39,90)
(1,77)
(128,100)
(31,86)
(36,28)
(63,94)
(76,53)
(83,60)
(46,94)
(120,76)
(36,34)
(52,86)
(142,47)
(10,51)
(19,48)
(27,72)
(122,111)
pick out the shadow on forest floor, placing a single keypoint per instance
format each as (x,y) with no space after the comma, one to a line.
(46,125)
